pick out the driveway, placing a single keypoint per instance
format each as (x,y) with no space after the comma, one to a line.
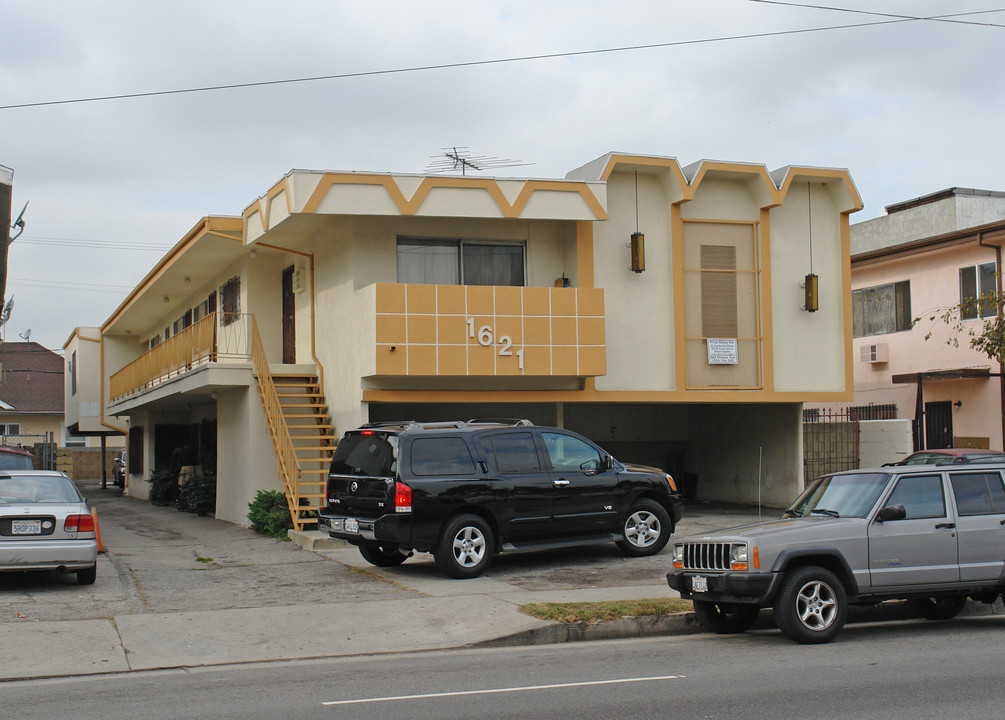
(160,560)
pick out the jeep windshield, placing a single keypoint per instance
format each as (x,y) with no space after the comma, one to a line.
(367,453)
(852,495)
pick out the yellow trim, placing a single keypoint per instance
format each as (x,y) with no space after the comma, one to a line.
(849,360)
(766,318)
(679,309)
(216,226)
(841,175)
(708,396)
(410,206)
(584,254)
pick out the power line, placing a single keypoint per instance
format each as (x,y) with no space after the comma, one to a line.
(501,61)
(874,13)
(110,244)
(67,285)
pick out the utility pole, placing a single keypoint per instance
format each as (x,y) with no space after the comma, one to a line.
(6,194)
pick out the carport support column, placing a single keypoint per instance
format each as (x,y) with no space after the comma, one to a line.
(919,415)
(560,415)
(104,475)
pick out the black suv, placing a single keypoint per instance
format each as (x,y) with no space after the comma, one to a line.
(467,490)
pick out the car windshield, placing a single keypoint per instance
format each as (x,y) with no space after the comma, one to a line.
(37,489)
(851,495)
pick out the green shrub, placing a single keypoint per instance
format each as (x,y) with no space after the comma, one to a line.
(198,494)
(269,514)
(162,486)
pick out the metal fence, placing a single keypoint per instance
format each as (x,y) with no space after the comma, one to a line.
(831,437)
(43,447)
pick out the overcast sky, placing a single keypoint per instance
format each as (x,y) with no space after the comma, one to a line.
(908,107)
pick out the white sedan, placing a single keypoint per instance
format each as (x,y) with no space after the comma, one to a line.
(45,525)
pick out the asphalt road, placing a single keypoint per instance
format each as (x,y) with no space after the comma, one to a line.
(895,671)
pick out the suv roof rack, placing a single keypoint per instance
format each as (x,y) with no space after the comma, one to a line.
(517,422)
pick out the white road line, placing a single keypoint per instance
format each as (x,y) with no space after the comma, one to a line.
(503,690)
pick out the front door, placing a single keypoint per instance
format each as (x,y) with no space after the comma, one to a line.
(938,425)
(921,549)
(585,491)
(289,316)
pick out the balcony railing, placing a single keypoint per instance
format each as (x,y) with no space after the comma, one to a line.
(201,343)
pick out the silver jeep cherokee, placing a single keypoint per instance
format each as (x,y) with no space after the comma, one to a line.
(930,535)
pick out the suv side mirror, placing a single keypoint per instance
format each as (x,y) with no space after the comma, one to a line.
(892,512)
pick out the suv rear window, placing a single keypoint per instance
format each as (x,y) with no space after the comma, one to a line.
(441,456)
(16,461)
(364,453)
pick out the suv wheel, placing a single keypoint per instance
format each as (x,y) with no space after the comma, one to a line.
(382,555)
(646,529)
(942,608)
(725,618)
(811,606)
(465,547)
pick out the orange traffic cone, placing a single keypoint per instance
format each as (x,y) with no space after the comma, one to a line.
(97,531)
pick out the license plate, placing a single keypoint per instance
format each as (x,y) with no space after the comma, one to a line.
(351,525)
(699,583)
(26,527)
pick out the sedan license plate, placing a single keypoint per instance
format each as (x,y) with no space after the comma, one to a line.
(26,527)
(699,584)
(351,525)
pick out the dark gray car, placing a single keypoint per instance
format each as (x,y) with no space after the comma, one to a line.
(931,535)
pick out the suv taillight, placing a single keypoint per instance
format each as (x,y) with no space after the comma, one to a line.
(402,497)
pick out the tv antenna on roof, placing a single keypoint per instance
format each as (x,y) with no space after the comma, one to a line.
(456,157)
(25,335)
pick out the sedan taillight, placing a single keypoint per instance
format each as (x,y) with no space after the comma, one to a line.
(78,523)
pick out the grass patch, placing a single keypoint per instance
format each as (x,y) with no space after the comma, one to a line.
(595,612)
(205,560)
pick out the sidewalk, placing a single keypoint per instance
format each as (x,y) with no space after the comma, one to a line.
(175,590)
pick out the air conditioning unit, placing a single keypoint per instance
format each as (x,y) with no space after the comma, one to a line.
(877,353)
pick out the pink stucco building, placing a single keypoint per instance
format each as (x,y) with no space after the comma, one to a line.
(924,256)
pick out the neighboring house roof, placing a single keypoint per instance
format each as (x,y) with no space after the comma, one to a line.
(31,380)
(992,234)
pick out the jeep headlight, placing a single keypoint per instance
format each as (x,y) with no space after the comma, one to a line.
(678,556)
(738,556)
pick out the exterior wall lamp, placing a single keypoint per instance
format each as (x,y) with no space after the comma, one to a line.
(638,242)
(638,245)
(812,299)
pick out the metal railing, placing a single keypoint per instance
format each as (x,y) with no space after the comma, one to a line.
(203,342)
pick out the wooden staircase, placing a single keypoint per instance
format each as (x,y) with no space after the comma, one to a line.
(301,430)
(313,436)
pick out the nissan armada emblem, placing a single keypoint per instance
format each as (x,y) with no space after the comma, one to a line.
(355,486)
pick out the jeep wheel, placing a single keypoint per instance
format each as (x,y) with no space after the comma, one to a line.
(465,547)
(725,618)
(811,606)
(646,529)
(382,555)
(942,608)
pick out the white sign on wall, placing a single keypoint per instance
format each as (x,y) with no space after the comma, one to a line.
(722,351)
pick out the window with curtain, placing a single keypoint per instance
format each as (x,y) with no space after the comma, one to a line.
(460,262)
(881,309)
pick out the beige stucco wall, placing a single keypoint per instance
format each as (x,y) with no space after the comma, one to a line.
(639,306)
(84,406)
(746,453)
(808,348)
(245,461)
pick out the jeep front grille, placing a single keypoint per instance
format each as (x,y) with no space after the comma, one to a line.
(707,556)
